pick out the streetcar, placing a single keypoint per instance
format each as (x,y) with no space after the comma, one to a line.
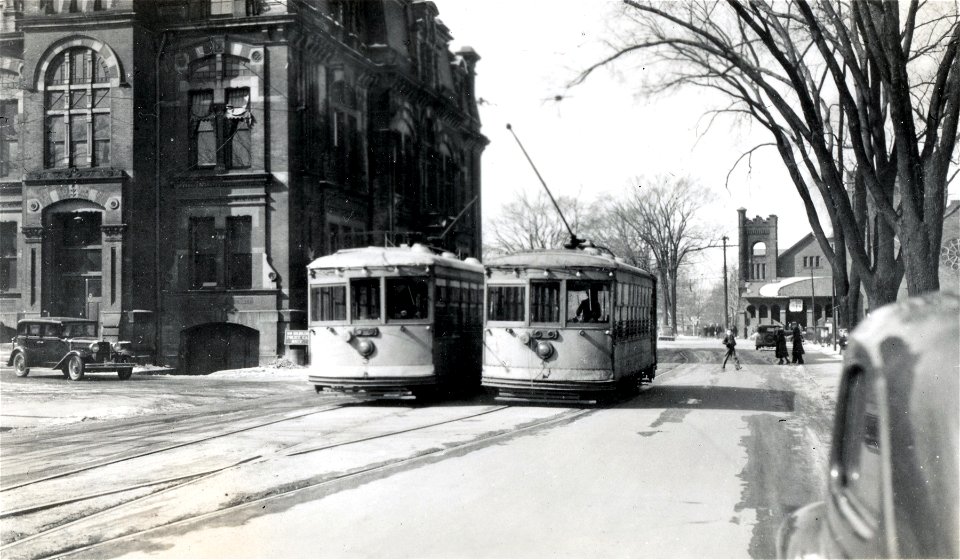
(575,324)
(403,322)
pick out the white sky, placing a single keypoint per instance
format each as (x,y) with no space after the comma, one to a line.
(602,136)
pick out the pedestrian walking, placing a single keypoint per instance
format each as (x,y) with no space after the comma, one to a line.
(730,341)
(782,356)
(797,346)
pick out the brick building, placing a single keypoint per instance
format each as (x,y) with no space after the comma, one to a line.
(795,286)
(171,166)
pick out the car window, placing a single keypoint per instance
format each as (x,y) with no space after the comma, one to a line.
(52,330)
(860,447)
(33,329)
(76,330)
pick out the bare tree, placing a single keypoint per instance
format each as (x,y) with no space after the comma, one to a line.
(866,89)
(531,222)
(602,227)
(663,213)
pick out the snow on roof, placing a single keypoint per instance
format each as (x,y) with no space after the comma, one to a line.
(562,258)
(376,257)
(773,289)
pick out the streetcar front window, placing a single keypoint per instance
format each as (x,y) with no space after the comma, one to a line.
(365,298)
(328,303)
(506,303)
(407,298)
(545,302)
(588,301)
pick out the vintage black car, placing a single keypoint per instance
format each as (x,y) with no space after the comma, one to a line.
(767,336)
(892,488)
(68,344)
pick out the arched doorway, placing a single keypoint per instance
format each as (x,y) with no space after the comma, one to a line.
(73,253)
(217,346)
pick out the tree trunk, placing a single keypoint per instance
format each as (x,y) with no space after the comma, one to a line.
(921,268)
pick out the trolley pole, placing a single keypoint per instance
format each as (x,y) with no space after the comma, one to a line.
(726,294)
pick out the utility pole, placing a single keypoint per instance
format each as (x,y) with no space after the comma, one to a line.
(726,294)
(813,304)
(833,306)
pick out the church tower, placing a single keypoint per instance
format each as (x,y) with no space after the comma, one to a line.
(758,247)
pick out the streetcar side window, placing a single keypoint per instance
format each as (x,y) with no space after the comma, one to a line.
(476,304)
(545,302)
(365,298)
(407,298)
(588,301)
(506,303)
(328,303)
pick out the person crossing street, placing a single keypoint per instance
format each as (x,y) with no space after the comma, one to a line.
(730,341)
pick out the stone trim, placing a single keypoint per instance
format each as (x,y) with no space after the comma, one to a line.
(32,234)
(114,67)
(113,232)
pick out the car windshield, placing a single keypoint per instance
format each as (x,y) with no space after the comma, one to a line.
(76,330)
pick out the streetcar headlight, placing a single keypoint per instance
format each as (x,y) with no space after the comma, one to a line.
(525,338)
(365,347)
(544,350)
(346,336)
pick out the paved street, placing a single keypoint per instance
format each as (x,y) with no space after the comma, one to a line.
(704,463)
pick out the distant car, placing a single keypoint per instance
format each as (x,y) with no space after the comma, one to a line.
(70,345)
(767,336)
(893,486)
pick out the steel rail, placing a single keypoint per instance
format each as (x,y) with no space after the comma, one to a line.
(102,464)
(422,457)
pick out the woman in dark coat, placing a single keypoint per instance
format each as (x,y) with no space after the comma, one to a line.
(782,356)
(797,346)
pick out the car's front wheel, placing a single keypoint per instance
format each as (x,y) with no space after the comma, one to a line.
(75,368)
(20,365)
(124,373)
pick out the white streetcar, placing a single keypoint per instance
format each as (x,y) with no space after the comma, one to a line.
(395,321)
(573,324)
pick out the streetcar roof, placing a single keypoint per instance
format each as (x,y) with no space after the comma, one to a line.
(382,257)
(563,258)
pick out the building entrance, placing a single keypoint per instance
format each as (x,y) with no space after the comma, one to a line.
(219,346)
(76,264)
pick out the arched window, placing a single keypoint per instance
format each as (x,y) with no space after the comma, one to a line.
(752,311)
(775,313)
(758,261)
(77,110)
(763,312)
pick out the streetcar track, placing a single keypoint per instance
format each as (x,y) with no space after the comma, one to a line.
(357,473)
(40,507)
(101,464)
(68,501)
(84,518)
(387,434)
